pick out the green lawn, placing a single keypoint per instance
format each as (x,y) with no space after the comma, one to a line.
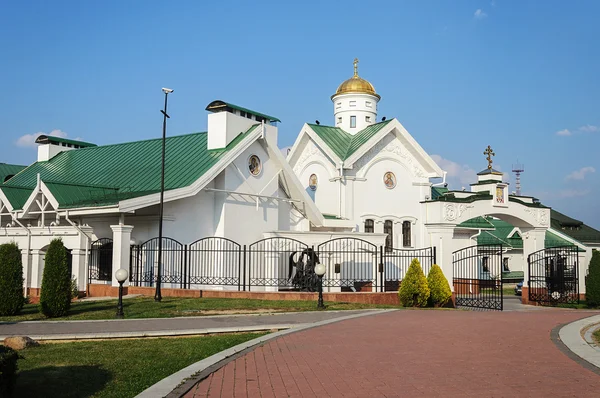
(115,368)
(596,336)
(146,307)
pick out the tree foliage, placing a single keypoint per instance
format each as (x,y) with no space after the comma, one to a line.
(439,289)
(55,298)
(592,282)
(11,280)
(414,291)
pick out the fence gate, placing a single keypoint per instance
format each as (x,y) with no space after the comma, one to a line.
(478,277)
(144,263)
(553,275)
(351,264)
(100,262)
(213,261)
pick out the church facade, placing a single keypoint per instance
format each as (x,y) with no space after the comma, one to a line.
(238,214)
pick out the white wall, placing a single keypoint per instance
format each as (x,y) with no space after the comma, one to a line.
(361,106)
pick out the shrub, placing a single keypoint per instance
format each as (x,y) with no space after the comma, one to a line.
(74,288)
(414,291)
(11,280)
(8,370)
(438,287)
(55,298)
(592,282)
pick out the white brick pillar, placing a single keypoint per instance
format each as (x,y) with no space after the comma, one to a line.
(36,268)
(442,239)
(121,250)
(533,240)
(25,259)
(78,270)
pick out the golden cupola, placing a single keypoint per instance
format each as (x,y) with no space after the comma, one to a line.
(356,85)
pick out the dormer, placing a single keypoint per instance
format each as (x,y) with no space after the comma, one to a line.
(226,121)
(50,146)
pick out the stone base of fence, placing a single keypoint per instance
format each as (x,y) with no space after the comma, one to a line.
(390,298)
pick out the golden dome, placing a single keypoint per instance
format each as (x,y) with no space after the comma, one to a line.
(356,84)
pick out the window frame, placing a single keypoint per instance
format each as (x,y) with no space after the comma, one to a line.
(406,234)
(369,226)
(388,228)
(352,122)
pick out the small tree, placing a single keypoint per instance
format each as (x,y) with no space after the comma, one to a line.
(438,287)
(592,282)
(414,291)
(55,298)
(11,280)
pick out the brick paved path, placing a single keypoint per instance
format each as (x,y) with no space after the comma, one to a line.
(410,354)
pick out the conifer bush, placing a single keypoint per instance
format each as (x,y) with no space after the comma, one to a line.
(55,298)
(592,282)
(11,280)
(414,291)
(439,289)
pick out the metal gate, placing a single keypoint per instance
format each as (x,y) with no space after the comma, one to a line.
(101,258)
(478,277)
(144,263)
(553,275)
(351,264)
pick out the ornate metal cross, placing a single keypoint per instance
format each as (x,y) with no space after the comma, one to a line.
(355,67)
(489,152)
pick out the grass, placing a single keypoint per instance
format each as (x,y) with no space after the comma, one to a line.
(596,336)
(146,307)
(115,368)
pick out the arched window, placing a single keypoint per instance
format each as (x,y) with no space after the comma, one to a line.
(406,234)
(369,226)
(388,228)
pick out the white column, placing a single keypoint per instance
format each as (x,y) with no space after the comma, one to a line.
(36,269)
(121,249)
(78,270)
(26,269)
(533,240)
(441,238)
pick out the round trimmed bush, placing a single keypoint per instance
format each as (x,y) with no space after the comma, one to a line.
(55,298)
(414,291)
(439,289)
(592,282)
(11,280)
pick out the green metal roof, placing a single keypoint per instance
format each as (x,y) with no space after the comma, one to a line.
(219,105)
(44,139)
(16,196)
(103,175)
(436,192)
(477,223)
(8,170)
(344,144)
(499,235)
(574,228)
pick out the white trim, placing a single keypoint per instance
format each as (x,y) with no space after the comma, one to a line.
(5,201)
(253,195)
(567,238)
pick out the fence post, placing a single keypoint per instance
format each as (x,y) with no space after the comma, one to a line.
(434,256)
(381,271)
(239,268)
(245,266)
(184,279)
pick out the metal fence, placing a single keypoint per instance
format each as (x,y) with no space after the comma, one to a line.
(271,264)
(553,275)
(100,261)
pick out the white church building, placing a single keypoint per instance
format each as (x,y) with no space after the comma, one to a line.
(356,196)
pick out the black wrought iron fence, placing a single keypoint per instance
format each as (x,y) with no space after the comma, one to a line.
(100,260)
(553,275)
(276,263)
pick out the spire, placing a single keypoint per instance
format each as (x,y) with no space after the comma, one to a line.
(489,152)
(355,67)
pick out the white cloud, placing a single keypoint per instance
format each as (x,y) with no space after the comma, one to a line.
(564,133)
(480,14)
(588,128)
(28,140)
(461,174)
(580,174)
(572,193)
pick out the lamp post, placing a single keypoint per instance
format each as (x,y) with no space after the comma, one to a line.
(158,294)
(320,271)
(121,276)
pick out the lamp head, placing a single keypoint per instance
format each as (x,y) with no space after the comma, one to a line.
(320,269)
(121,275)
(167,90)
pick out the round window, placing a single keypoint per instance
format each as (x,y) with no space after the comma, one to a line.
(254,165)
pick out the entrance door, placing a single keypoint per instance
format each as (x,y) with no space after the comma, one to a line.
(478,277)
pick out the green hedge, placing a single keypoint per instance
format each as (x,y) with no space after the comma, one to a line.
(55,298)
(440,292)
(592,282)
(414,291)
(8,370)
(11,280)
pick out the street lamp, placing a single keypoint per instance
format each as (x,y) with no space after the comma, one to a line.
(320,271)
(121,276)
(158,295)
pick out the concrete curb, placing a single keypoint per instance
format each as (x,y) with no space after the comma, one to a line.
(160,333)
(170,383)
(570,335)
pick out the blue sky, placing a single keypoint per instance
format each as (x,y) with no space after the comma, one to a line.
(521,76)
